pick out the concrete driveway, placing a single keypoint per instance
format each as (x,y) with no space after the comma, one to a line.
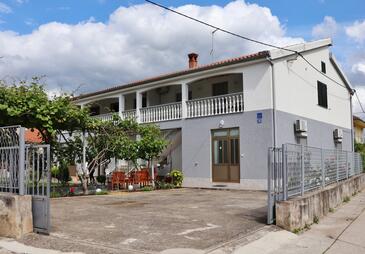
(151,222)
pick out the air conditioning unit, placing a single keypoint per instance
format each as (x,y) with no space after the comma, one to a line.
(338,135)
(301,126)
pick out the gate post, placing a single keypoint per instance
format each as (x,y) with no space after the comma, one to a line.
(21,166)
(302,169)
(270,214)
(323,169)
(347,165)
(285,171)
(337,165)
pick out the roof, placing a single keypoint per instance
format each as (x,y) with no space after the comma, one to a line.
(272,54)
(32,136)
(231,61)
(341,73)
(359,121)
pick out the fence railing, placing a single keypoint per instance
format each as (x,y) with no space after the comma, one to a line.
(37,170)
(129,114)
(309,168)
(12,159)
(165,112)
(296,169)
(105,117)
(217,105)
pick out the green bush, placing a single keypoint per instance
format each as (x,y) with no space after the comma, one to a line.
(63,174)
(162,185)
(55,194)
(316,220)
(177,177)
(101,179)
(346,199)
(102,192)
(55,172)
(147,188)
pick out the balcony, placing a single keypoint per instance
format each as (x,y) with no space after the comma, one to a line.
(201,107)
(165,112)
(216,105)
(127,114)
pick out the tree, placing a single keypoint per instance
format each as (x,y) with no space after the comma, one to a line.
(66,127)
(27,104)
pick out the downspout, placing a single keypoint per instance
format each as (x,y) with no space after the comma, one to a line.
(274,120)
(352,123)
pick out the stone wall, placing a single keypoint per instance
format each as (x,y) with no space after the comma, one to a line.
(295,213)
(15,215)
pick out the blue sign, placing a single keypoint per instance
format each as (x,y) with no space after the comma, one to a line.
(259,117)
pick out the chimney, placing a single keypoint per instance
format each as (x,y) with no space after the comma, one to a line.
(193,60)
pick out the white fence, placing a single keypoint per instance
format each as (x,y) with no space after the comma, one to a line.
(105,117)
(165,112)
(209,106)
(129,114)
(217,105)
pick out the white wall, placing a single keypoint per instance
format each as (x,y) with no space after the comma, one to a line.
(296,89)
(257,87)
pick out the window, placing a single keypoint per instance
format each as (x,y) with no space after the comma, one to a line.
(323,67)
(220,88)
(322,94)
(94,110)
(114,107)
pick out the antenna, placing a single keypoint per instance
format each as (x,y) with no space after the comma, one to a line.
(212,50)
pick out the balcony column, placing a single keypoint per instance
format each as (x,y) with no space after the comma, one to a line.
(121,105)
(184,99)
(138,106)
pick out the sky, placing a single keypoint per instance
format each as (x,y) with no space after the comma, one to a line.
(87,45)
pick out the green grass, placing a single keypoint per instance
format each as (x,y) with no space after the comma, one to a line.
(147,188)
(102,192)
(315,220)
(346,199)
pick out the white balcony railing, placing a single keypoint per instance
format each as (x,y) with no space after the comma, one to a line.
(164,112)
(217,105)
(105,117)
(127,114)
(208,106)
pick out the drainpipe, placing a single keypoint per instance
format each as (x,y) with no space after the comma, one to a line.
(352,123)
(273,101)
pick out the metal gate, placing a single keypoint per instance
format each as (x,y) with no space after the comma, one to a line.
(297,169)
(275,185)
(25,170)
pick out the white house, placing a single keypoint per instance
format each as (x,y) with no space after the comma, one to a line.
(222,117)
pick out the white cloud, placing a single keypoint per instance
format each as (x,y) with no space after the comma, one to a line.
(136,42)
(357,31)
(356,108)
(20,2)
(359,68)
(4,8)
(328,28)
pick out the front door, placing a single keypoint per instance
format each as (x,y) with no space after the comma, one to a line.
(225,155)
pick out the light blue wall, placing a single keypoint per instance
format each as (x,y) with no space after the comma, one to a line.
(254,142)
(255,139)
(320,134)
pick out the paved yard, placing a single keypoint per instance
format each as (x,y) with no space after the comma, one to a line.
(150,222)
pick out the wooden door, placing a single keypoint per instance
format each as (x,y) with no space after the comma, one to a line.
(225,155)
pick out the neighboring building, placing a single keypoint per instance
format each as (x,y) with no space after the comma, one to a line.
(33,136)
(359,126)
(223,117)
